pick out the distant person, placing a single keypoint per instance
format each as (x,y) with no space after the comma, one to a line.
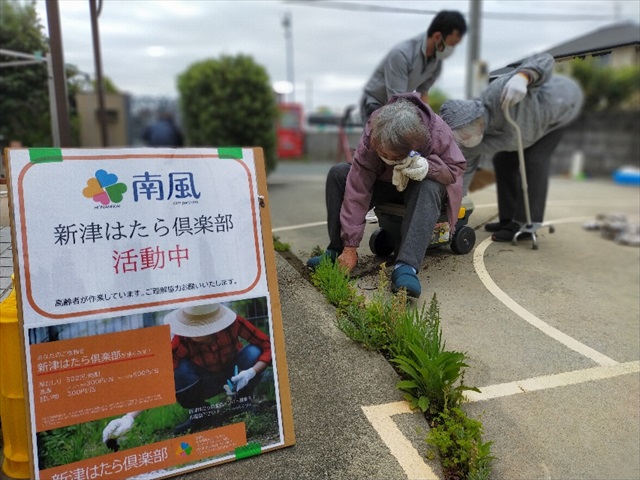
(414,64)
(406,155)
(542,104)
(163,133)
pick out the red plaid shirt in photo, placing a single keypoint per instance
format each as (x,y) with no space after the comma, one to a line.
(218,354)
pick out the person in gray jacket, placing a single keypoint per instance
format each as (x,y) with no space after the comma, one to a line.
(406,155)
(542,104)
(414,64)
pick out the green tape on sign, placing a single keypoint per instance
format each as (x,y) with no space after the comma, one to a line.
(45,155)
(230,152)
(248,450)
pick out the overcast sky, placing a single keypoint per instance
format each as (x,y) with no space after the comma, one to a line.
(146,44)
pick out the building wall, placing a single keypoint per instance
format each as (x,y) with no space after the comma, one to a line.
(324,145)
(116,106)
(608,141)
(625,56)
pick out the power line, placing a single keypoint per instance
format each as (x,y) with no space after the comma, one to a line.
(364,7)
(336,5)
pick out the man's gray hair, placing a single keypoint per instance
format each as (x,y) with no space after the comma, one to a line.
(397,127)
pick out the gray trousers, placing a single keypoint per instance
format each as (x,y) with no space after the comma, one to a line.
(537,160)
(422,200)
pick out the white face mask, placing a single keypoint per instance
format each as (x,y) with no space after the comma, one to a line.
(388,162)
(470,136)
(393,163)
(445,52)
(472,141)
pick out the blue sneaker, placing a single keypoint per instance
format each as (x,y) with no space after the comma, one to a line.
(329,253)
(404,277)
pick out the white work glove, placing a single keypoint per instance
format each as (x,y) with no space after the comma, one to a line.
(117,427)
(514,90)
(242,378)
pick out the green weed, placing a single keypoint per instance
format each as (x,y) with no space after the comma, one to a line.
(279,246)
(458,438)
(417,327)
(334,282)
(433,375)
(65,445)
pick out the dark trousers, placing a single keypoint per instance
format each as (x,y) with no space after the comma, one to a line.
(195,384)
(423,202)
(537,159)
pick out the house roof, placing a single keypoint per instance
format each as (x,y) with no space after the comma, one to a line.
(600,41)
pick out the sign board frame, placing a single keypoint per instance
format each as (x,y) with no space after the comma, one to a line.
(126,261)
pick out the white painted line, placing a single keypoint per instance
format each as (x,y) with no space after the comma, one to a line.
(553,381)
(485,205)
(565,204)
(572,343)
(296,227)
(572,220)
(408,457)
(412,462)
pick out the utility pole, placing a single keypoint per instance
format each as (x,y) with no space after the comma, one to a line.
(473,47)
(55,63)
(94,11)
(288,36)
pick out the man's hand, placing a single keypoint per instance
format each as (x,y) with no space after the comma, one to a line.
(117,427)
(242,378)
(514,90)
(348,258)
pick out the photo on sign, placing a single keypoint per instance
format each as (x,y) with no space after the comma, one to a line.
(222,375)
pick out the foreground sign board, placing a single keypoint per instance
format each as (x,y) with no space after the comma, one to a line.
(149,310)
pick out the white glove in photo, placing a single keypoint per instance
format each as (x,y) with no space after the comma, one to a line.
(242,378)
(117,427)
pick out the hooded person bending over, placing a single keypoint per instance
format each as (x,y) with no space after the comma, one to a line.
(406,155)
(541,104)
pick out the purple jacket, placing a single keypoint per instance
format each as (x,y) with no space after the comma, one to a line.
(446,166)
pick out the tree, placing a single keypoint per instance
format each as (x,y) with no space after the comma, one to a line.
(228,102)
(436,98)
(606,87)
(24,96)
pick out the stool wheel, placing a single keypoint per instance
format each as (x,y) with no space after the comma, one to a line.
(463,240)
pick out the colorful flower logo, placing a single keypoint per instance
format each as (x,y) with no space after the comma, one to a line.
(184,450)
(104,188)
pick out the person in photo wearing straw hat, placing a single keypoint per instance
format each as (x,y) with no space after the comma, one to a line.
(208,359)
(541,104)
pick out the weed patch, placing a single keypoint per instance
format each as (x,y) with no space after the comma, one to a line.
(432,378)
(279,246)
(458,440)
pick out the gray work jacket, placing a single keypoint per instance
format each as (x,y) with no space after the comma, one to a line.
(552,101)
(405,69)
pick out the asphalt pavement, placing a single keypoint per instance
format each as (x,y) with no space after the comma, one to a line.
(552,336)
